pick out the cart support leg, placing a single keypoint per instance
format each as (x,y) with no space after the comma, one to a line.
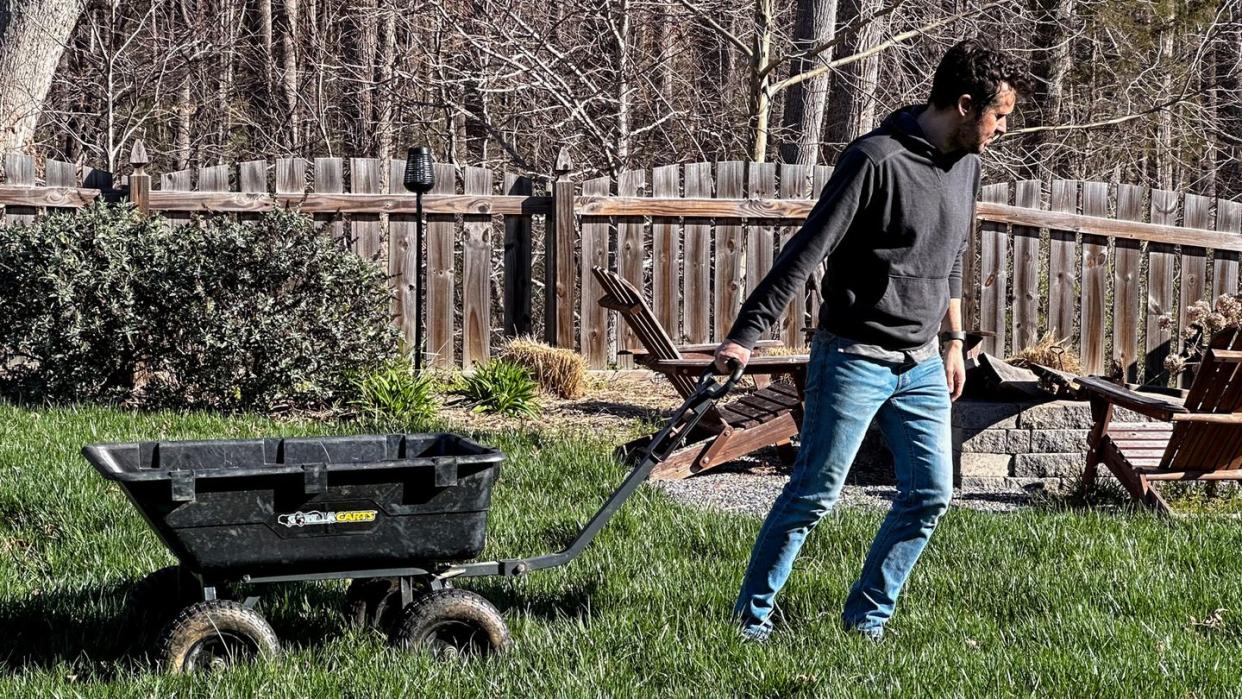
(407,590)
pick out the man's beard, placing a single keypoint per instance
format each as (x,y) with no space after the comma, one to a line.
(968,138)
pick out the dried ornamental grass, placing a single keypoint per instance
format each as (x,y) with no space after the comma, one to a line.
(1050,352)
(783,351)
(558,370)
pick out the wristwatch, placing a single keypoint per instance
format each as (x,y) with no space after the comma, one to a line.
(953,335)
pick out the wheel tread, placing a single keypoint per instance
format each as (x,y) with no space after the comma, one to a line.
(179,636)
(436,603)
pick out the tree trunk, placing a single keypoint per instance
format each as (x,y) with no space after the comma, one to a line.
(384,113)
(269,57)
(1228,93)
(622,36)
(185,115)
(669,34)
(366,46)
(293,110)
(1164,120)
(224,88)
(760,85)
(851,106)
(34,36)
(1050,66)
(805,102)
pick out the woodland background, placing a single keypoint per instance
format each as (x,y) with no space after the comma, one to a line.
(1146,92)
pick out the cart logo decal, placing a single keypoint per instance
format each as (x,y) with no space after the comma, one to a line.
(305,519)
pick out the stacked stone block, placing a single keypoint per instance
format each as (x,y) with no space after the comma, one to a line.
(1004,445)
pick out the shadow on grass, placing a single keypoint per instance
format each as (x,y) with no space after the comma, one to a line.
(569,601)
(83,627)
(101,630)
(621,410)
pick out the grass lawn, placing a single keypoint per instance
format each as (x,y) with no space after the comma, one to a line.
(1039,603)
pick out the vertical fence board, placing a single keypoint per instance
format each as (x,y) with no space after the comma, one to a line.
(1094,281)
(58,173)
(1160,292)
(440,305)
(1196,213)
(1026,292)
(794,184)
(594,319)
(665,253)
(476,307)
(19,171)
(993,274)
(178,181)
(760,237)
(94,178)
(403,258)
(1225,270)
(330,179)
(252,176)
(517,260)
(1062,264)
(1126,264)
(252,179)
(630,256)
(366,231)
(290,175)
(697,279)
(728,253)
(214,178)
(560,246)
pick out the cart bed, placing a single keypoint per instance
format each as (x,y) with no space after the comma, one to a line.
(262,507)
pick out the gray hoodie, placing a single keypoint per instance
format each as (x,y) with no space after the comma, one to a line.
(892,223)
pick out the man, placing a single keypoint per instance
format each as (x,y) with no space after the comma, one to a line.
(892,223)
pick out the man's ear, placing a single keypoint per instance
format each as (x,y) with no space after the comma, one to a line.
(965,105)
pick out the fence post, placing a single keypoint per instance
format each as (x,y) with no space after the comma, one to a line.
(139,180)
(559,259)
(517,261)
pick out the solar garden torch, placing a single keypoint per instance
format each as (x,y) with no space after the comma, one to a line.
(420,177)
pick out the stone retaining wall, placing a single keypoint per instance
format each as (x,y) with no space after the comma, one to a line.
(1005,444)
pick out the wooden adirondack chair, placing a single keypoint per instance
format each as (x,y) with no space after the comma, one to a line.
(769,416)
(1201,440)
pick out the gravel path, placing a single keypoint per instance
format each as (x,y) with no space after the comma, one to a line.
(615,404)
(751,487)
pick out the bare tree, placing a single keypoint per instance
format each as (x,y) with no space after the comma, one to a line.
(805,103)
(34,36)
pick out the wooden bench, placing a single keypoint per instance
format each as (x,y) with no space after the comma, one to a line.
(1200,440)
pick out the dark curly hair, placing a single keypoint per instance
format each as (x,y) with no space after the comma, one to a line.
(976,68)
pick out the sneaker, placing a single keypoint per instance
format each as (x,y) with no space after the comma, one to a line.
(751,634)
(875,634)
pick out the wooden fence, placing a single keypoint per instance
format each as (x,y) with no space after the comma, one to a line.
(1094,262)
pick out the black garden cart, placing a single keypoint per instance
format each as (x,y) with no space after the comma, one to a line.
(396,514)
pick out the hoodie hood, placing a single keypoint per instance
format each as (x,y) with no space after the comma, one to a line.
(903,125)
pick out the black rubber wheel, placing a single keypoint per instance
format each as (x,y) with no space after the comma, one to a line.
(153,602)
(452,624)
(373,603)
(208,636)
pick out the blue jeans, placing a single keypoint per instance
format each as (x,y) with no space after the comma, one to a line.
(844,392)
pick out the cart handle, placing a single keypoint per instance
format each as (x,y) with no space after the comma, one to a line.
(708,390)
